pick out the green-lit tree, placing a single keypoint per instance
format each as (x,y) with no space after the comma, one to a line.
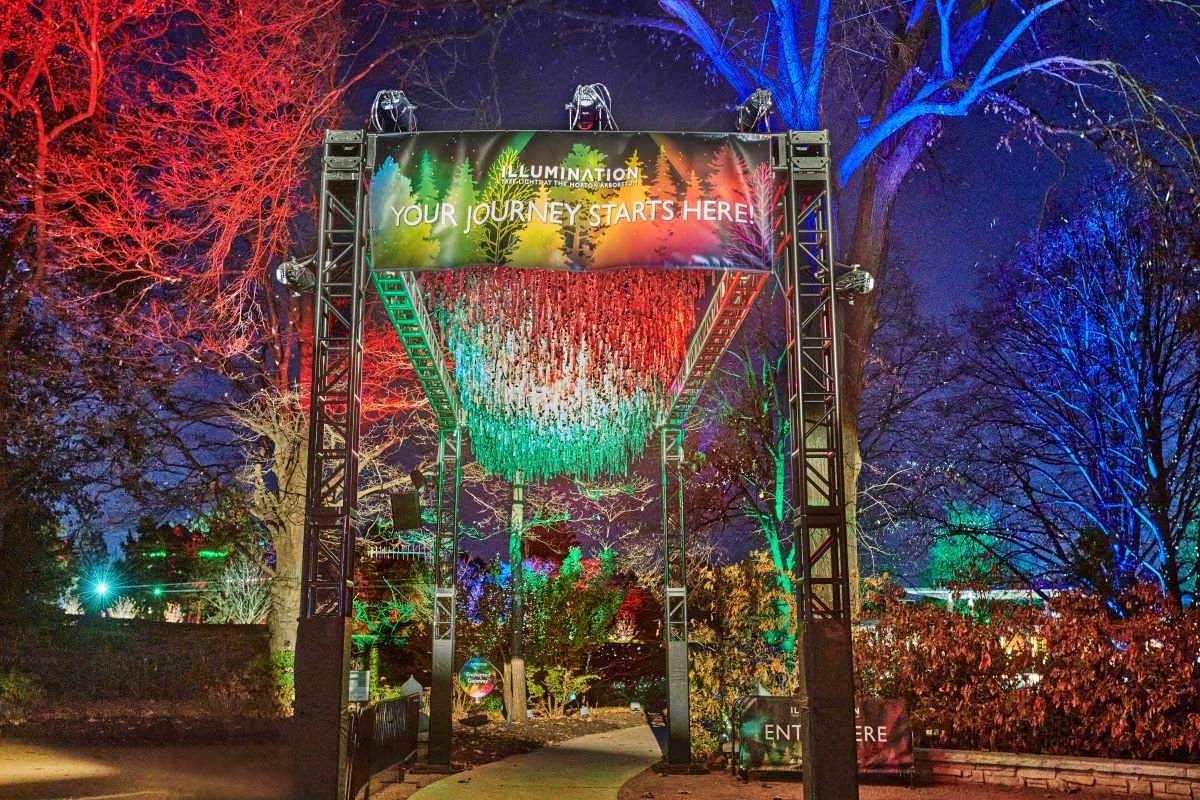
(570,614)
(964,552)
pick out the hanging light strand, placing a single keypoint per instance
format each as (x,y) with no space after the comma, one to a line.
(562,373)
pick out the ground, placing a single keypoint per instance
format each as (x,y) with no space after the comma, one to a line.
(496,740)
(40,770)
(722,786)
(135,764)
(168,753)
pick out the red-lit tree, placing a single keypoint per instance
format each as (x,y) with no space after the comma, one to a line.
(55,59)
(179,213)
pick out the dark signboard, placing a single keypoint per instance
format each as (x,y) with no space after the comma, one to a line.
(770,735)
(572,200)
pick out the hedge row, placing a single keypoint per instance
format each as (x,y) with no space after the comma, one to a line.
(221,666)
(1070,678)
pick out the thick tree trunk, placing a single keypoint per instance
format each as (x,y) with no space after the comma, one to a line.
(516,654)
(287,540)
(285,588)
(880,183)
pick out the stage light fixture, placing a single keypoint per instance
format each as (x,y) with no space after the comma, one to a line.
(392,112)
(854,283)
(418,479)
(295,273)
(754,111)
(590,109)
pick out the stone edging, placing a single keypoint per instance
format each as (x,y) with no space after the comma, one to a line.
(1069,773)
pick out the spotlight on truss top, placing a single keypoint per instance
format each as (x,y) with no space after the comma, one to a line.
(392,113)
(854,283)
(590,109)
(755,111)
(295,273)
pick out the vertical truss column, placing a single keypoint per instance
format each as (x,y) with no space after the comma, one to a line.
(679,735)
(331,502)
(445,564)
(332,498)
(818,493)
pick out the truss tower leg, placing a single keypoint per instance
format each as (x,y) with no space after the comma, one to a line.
(445,563)
(331,504)
(818,493)
(679,734)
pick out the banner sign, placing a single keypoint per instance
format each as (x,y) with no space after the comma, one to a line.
(570,200)
(769,735)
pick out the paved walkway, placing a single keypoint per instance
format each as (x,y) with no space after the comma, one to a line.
(588,768)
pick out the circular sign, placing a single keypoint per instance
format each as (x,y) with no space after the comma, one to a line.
(477,677)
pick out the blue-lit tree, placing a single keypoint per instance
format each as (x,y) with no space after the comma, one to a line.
(1086,396)
(886,75)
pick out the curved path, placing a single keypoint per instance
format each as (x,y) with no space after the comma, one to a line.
(587,768)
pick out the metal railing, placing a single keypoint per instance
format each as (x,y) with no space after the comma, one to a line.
(382,735)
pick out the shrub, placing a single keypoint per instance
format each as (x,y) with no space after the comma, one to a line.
(19,689)
(554,687)
(1068,679)
(140,660)
(740,643)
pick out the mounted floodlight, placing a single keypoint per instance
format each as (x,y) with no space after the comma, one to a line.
(392,113)
(755,111)
(854,283)
(295,273)
(418,479)
(590,109)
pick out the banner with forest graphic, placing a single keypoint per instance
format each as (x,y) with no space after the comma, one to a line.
(572,200)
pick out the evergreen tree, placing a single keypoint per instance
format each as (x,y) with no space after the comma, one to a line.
(497,240)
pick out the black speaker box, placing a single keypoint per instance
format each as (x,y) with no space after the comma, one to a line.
(406,511)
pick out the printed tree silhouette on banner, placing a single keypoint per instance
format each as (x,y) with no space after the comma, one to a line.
(541,244)
(392,243)
(579,235)
(752,245)
(497,240)
(427,192)
(457,247)
(692,237)
(628,244)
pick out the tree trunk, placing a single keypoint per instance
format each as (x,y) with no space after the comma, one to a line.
(516,655)
(852,470)
(287,540)
(868,248)
(285,587)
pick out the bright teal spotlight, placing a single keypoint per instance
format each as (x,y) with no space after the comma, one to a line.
(101,589)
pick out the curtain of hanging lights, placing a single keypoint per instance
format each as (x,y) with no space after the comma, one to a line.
(563,373)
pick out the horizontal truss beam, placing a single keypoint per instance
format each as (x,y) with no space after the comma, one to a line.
(731,300)
(404,300)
